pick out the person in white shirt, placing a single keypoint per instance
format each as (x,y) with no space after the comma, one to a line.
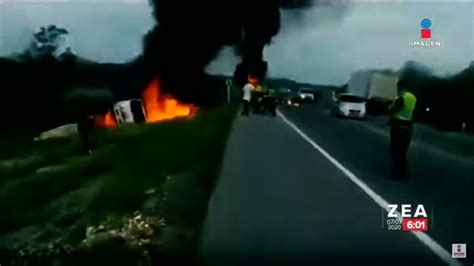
(247,94)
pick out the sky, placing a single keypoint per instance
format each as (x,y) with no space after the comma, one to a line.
(321,45)
(103,30)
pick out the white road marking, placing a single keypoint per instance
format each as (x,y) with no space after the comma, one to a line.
(423,237)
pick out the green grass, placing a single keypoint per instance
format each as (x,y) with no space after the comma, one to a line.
(125,163)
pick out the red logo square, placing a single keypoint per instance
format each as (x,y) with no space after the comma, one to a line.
(425,33)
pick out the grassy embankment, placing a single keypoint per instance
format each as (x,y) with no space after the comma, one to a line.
(140,196)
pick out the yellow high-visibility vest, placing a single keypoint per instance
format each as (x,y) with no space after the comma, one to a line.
(406,112)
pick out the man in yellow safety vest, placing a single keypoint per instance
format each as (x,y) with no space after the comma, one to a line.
(401,130)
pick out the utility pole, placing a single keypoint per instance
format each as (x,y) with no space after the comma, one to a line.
(229,84)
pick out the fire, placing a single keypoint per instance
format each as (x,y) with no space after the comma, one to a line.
(157,106)
(106,120)
(160,107)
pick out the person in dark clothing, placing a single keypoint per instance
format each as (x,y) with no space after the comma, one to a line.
(269,103)
(245,108)
(85,126)
(257,101)
(401,130)
(400,137)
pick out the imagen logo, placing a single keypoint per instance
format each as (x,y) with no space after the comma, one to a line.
(458,251)
(426,31)
(426,34)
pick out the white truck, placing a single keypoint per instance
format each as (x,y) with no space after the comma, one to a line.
(359,83)
(378,88)
(373,85)
(130,111)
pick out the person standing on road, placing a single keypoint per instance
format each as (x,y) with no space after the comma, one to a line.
(269,103)
(401,130)
(257,98)
(247,94)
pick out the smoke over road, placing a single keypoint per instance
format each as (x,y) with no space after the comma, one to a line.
(190,33)
(325,44)
(318,41)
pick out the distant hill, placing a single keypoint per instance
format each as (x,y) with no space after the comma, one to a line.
(292,84)
(32,91)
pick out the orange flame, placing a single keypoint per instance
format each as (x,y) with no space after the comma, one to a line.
(106,120)
(160,107)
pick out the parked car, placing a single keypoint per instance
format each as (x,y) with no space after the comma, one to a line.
(349,105)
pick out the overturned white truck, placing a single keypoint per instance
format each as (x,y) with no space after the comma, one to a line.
(130,111)
(124,112)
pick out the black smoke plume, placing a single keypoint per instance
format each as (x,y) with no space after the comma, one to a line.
(447,98)
(189,34)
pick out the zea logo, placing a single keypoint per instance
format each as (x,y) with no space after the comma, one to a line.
(426,34)
(458,251)
(404,220)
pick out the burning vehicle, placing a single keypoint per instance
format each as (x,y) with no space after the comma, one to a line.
(130,111)
(154,106)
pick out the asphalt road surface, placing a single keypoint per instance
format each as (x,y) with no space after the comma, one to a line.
(306,188)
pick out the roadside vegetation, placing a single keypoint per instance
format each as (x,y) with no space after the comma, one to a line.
(138,199)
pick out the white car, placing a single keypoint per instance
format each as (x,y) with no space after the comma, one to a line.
(305,95)
(349,105)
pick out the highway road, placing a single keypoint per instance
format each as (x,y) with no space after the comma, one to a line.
(306,188)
